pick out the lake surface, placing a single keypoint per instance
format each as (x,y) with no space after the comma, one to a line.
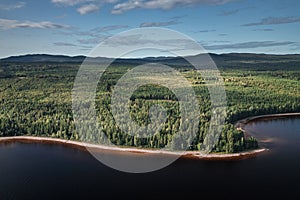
(54,171)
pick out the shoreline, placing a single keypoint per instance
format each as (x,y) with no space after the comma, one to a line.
(241,123)
(185,154)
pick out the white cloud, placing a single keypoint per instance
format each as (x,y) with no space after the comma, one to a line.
(159,24)
(70,2)
(275,20)
(109,28)
(123,7)
(77,2)
(89,8)
(84,6)
(93,41)
(66,44)
(12,6)
(138,39)
(162,4)
(248,45)
(11,24)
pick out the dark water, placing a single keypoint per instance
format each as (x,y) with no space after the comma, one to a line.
(49,171)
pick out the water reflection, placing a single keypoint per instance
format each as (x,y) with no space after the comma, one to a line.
(50,171)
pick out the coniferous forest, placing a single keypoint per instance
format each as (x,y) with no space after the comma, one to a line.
(36,100)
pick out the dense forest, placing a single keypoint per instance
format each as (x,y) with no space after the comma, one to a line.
(36,100)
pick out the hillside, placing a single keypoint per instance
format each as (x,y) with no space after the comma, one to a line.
(231,60)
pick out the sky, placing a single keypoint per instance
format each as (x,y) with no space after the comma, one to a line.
(75,27)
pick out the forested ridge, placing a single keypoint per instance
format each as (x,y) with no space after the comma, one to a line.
(36,100)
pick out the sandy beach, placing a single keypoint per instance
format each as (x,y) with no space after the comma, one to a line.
(184,154)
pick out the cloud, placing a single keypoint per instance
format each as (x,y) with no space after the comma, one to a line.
(109,28)
(84,6)
(274,20)
(64,44)
(209,42)
(138,39)
(77,2)
(11,24)
(126,40)
(295,47)
(12,6)
(177,17)
(248,45)
(159,24)
(70,2)
(67,44)
(97,35)
(220,41)
(94,41)
(264,29)
(164,5)
(93,36)
(206,31)
(89,8)
(230,12)
(123,7)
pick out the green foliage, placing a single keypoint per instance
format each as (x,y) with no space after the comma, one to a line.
(35,99)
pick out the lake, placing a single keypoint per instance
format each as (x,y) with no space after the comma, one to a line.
(52,171)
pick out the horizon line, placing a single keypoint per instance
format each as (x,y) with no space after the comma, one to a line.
(81,55)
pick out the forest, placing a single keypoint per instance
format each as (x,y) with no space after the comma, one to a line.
(36,100)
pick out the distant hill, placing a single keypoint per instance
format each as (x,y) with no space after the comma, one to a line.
(247,57)
(230,60)
(43,58)
(257,61)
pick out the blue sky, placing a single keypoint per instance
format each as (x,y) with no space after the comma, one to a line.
(75,27)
